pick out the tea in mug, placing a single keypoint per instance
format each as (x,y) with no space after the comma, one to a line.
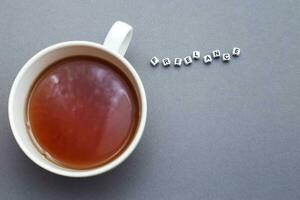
(82,112)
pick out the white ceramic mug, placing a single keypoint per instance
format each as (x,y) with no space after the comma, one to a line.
(113,50)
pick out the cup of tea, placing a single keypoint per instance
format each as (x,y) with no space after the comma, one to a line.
(79,108)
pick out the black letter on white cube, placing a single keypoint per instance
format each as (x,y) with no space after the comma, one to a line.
(196,55)
(154,61)
(216,54)
(177,62)
(166,62)
(187,60)
(207,59)
(226,57)
(236,51)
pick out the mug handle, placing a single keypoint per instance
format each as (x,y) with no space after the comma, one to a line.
(118,37)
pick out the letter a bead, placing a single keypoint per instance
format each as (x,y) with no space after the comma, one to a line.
(207,59)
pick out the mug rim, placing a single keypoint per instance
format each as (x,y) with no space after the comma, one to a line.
(64,171)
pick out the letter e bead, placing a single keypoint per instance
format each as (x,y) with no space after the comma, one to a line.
(177,62)
(236,51)
(187,60)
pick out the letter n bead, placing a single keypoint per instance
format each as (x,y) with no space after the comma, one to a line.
(154,61)
(236,51)
(226,57)
(216,54)
(177,62)
(166,62)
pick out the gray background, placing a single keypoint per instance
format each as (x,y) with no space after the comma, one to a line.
(223,131)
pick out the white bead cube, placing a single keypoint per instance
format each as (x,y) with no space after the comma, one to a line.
(187,60)
(154,61)
(166,62)
(226,57)
(216,54)
(236,51)
(207,59)
(177,62)
(196,55)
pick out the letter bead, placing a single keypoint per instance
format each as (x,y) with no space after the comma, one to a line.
(196,55)
(216,54)
(207,59)
(236,51)
(154,61)
(166,62)
(177,62)
(226,57)
(187,60)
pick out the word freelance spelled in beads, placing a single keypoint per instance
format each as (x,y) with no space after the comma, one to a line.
(196,55)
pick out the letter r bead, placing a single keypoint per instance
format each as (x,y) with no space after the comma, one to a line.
(166,62)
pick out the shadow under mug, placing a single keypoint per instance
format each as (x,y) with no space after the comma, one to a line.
(113,50)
